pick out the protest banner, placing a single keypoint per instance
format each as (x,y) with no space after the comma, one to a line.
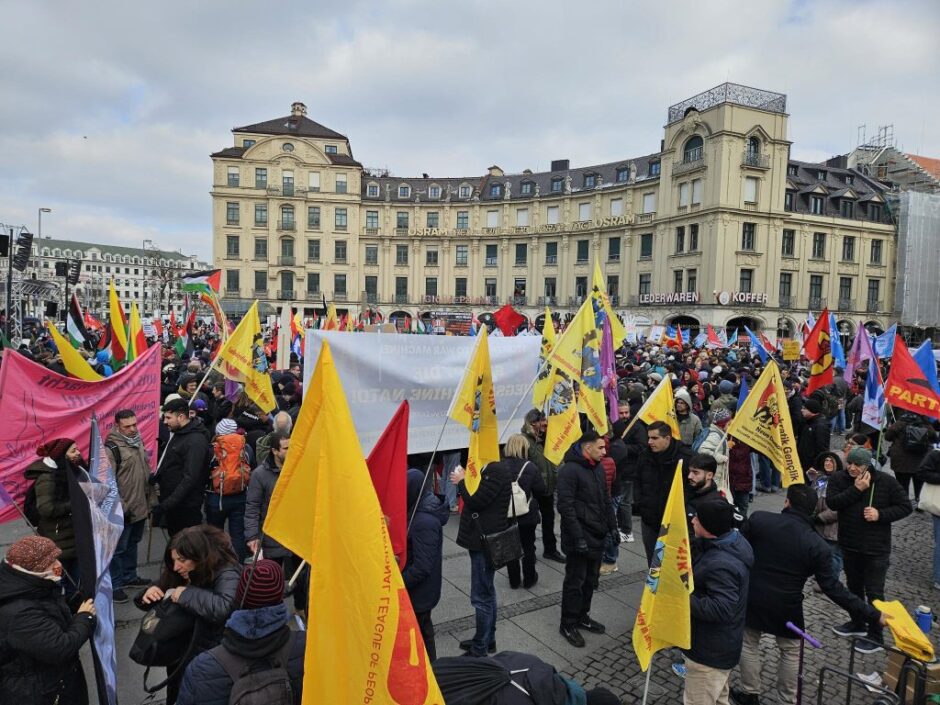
(791,350)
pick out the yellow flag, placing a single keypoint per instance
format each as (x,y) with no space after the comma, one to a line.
(363,641)
(664,618)
(331,322)
(72,360)
(908,637)
(542,387)
(474,406)
(118,329)
(562,414)
(763,422)
(601,300)
(661,407)
(135,334)
(237,360)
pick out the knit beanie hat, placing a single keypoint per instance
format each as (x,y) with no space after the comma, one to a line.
(716,516)
(33,553)
(225,427)
(266,588)
(722,415)
(55,448)
(859,456)
(725,387)
(812,406)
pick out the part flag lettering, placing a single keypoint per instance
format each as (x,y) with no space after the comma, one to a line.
(907,387)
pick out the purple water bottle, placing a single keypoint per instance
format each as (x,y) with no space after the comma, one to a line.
(924,618)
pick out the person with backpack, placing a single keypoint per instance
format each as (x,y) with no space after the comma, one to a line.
(229,473)
(260,660)
(529,478)
(128,457)
(911,439)
(717,444)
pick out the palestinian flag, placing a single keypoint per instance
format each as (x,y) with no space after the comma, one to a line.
(183,344)
(205,282)
(75,324)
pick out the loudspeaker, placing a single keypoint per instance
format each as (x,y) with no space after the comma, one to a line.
(4,245)
(52,308)
(61,269)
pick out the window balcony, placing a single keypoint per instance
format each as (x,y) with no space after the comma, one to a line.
(575,300)
(286,261)
(232,291)
(874,306)
(491,300)
(518,301)
(370,231)
(846,305)
(339,260)
(816,303)
(401,232)
(551,259)
(259,293)
(313,295)
(755,160)
(401,298)
(692,160)
(287,190)
(261,223)
(644,217)
(260,257)
(290,225)
(787,301)
(548,301)
(490,262)
(372,261)
(369,297)
(286,294)
(340,296)
(231,221)
(273,190)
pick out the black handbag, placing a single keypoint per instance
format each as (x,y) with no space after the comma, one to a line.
(501,547)
(166,638)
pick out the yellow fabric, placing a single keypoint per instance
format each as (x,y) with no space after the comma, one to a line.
(332,322)
(664,618)
(542,387)
(598,291)
(118,330)
(299,325)
(763,422)
(907,635)
(363,641)
(237,361)
(72,360)
(474,406)
(134,327)
(661,406)
(562,412)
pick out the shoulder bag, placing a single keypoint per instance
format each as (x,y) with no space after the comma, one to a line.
(501,547)
(518,502)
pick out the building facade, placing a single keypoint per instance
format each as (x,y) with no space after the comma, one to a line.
(719,226)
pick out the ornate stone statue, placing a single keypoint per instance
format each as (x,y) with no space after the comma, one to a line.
(538,191)
(448,192)
(632,178)
(568,184)
(388,192)
(507,194)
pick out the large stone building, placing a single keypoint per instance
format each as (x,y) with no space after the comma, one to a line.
(718,226)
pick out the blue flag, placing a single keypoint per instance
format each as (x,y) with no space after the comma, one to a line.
(700,339)
(757,345)
(925,360)
(883,344)
(742,395)
(835,344)
(733,338)
(873,404)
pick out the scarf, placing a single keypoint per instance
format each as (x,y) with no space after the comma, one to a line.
(133,441)
(53,574)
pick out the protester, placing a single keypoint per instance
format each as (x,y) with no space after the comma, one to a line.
(527,474)
(930,474)
(39,637)
(533,428)
(283,424)
(626,444)
(717,444)
(690,425)
(826,520)
(911,439)
(128,457)
(256,638)
(183,471)
(813,436)
(229,475)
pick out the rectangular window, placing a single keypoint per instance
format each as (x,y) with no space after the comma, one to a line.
(551,287)
(522,217)
(616,207)
(261,177)
(372,286)
(788,243)
(518,289)
(655,168)
(580,287)
(522,254)
(430,258)
(677,280)
(684,194)
(691,280)
(746,280)
(623,175)
(329,149)
(792,170)
(816,205)
(693,237)
(401,220)
(401,287)
(646,245)
(313,250)
(261,280)
(845,289)
(583,249)
(786,288)
(340,219)
(696,191)
(551,253)
(847,208)
(489,287)
(874,212)
(788,201)
(750,189)
(644,284)
(492,219)
(461,255)
(496,190)
(649,202)
(313,217)
(372,220)
(341,183)
(460,286)
(551,215)
(261,214)
(680,239)
(874,293)
(313,282)
(233,176)
(748,236)
(465,191)
(613,249)
(819,245)
(613,286)
(231,246)
(590,180)
(584,211)
(491,251)
(231,280)
(430,286)
(339,285)
(287,183)
(314,181)
(848,249)
(401,254)
(339,252)
(231,213)
(556,185)
(875,252)
(372,190)
(463,220)
(815,287)
(261,248)
(372,254)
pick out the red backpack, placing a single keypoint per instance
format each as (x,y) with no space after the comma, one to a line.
(232,470)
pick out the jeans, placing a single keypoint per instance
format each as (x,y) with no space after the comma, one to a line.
(124,563)
(836,558)
(547,510)
(650,535)
(451,461)
(220,507)
(581,573)
(742,498)
(769,476)
(705,685)
(838,422)
(787,666)
(625,508)
(426,626)
(865,577)
(527,537)
(483,599)
(936,549)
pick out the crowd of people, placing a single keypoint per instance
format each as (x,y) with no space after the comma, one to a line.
(219,458)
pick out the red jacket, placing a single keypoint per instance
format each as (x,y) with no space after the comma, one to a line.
(609,466)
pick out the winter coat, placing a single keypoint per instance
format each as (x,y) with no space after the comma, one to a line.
(825,520)
(691,425)
(787,551)
(884,494)
(539,679)
(254,426)
(929,470)
(490,503)
(740,476)
(531,483)
(253,634)
(132,473)
(546,467)
(813,439)
(422,571)
(903,462)
(39,642)
(625,448)
(654,480)
(583,503)
(716,445)
(719,602)
(260,488)
(53,503)
(185,468)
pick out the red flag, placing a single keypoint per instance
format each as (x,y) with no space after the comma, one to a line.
(158,326)
(907,387)
(174,329)
(765,341)
(388,466)
(818,349)
(92,323)
(677,340)
(508,320)
(713,338)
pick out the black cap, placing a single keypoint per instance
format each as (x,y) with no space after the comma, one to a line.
(717,516)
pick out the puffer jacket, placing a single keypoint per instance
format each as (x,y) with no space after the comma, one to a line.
(132,473)
(546,467)
(252,634)
(490,503)
(260,488)
(39,642)
(884,494)
(185,468)
(422,571)
(903,461)
(53,504)
(654,480)
(583,503)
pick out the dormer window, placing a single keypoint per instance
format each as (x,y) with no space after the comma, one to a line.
(465,191)
(693,149)
(329,148)
(654,168)
(372,190)
(820,175)
(556,185)
(248,143)
(590,180)
(404,191)
(623,175)
(793,170)
(849,179)
(526,188)
(434,192)
(496,190)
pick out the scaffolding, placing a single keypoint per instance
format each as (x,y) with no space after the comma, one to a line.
(918,259)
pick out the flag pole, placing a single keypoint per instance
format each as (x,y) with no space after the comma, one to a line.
(646,687)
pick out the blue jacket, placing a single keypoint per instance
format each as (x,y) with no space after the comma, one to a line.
(719,601)
(422,572)
(254,634)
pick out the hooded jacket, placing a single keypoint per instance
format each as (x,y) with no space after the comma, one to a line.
(825,520)
(132,473)
(185,468)
(813,439)
(252,634)
(690,425)
(537,455)
(39,642)
(872,538)
(422,571)
(583,503)
(53,503)
(654,480)
(260,488)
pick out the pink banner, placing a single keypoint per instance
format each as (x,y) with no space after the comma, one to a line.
(37,405)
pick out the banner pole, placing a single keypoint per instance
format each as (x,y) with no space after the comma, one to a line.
(293,578)
(204,378)
(427,472)
(646,688)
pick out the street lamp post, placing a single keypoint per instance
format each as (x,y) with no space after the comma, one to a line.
(39,229)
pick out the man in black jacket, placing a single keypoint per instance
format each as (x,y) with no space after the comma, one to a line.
(814,434)
(787,551)
(655,469)
(867,501)
(625,448)
(183,470)
(587,517)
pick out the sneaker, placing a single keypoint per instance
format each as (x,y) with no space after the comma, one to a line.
(467,645)
(608,568)
(627,539)
(679,669)
(138,581)
(936,586)
(572,635)
(868,646)
(591,625)
(119,597)
(851,629)
(739,697)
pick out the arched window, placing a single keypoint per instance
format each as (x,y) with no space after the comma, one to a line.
(753,146)
(693,149)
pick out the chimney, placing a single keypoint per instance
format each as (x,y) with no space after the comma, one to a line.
(298,109)
(560,165)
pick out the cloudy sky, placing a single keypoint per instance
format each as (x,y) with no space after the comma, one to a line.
(110,109)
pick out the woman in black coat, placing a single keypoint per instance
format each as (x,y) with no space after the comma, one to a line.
(39,637)
(526,473)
